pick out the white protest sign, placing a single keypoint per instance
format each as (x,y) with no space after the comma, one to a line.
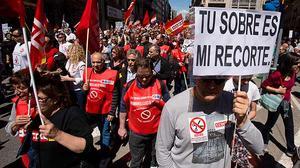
(234,41)
(290,34)
(119,25)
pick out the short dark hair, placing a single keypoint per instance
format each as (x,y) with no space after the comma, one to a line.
(19,30)
(157,48)
(286,63)
(21,77)
(54,88)
(143,63)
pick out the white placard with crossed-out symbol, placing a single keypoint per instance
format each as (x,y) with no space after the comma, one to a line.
(198,129)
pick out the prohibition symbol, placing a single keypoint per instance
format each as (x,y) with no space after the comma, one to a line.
(197,125)
(93,94)
(146,114)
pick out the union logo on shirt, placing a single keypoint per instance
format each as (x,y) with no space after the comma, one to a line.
(107,82)
(156,96)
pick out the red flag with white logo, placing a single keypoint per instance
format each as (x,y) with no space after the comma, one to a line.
(129,11)
(174,26)
(13,8)
(89,20)
(37,49)
(153,19)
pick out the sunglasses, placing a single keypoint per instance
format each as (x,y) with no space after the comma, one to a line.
(133,60)
(216,81)
(43,99)
(144,76)
(15,35)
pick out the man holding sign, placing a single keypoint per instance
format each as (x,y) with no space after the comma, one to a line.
(198,125)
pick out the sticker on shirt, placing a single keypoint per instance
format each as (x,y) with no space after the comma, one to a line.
(198,129)
(219,125)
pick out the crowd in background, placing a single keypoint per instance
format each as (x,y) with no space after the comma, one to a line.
(122,89)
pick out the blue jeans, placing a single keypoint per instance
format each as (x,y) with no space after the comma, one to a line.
(79,97)
(103,126)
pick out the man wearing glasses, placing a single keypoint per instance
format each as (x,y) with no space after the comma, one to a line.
(19,54)
(197,126)
(142,101)
(63,43)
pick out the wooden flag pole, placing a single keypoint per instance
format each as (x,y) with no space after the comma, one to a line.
(31,75)
(234,131)
(86,53)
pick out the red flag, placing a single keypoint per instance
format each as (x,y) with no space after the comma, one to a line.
(153,19)
(89,19)
(129,11)
(13,8)
(174,26)
(37,49)
(146,19)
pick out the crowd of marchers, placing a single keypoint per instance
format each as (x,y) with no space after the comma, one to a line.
(139,88)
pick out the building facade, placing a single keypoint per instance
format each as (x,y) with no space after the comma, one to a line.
(240,4)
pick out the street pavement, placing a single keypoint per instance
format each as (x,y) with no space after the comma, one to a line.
(275,158)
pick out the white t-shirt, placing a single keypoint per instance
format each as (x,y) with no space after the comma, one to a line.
(19,57)
(71,36)
(76,71)
(252,90)
(63,48)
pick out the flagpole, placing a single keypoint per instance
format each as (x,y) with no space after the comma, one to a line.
(234,131)
(31,74)
(86,53)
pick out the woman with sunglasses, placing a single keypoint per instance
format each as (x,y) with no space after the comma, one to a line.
(23,109)
(142,101)
(197,126)
(65,138)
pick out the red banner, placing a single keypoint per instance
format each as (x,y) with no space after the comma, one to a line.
(173,27)
(89,19)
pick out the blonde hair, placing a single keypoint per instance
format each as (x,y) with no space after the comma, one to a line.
(76,53)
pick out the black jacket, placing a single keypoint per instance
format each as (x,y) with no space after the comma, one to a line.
(165,69)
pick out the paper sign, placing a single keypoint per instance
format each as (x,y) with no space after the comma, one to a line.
(234,41)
